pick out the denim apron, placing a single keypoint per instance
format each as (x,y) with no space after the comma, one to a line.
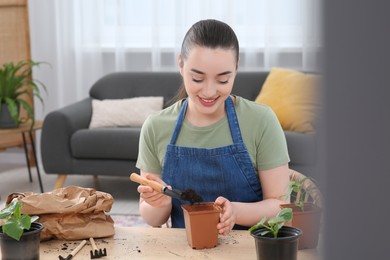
(223,171)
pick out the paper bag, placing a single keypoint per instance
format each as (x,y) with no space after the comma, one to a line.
(69,213)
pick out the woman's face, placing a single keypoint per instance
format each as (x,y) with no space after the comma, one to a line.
(208,76)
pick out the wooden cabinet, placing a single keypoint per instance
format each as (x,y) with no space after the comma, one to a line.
(14,46)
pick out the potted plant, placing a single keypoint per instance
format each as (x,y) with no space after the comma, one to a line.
(19,234)
(273,240)
(16,81)
(305,201)
(201,221)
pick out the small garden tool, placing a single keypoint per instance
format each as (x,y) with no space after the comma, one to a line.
(188,194)
(95,252)
(74,252)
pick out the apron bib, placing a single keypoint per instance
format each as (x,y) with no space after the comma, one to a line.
(223,171)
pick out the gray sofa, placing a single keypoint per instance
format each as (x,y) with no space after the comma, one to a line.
(69,147)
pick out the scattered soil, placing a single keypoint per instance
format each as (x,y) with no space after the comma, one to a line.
(64,246)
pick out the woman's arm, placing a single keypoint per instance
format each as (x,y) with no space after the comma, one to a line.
(154,207)
(274,184)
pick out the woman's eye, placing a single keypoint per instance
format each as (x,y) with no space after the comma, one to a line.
(223,82)
(197,80)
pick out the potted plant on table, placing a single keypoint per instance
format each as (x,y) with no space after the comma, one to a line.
(19,234)
(15,82)
(306,207)
(273,240)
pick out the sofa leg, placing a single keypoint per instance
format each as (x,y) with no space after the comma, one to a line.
(60,181)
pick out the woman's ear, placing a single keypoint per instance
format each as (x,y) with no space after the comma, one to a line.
(180,63)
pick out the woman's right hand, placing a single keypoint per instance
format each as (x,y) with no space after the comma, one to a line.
(152,197)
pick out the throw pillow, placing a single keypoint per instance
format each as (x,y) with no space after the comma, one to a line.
(293,96)
(123,112)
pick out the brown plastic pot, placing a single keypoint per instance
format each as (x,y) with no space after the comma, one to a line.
(201,224)
(26,248)
(284,247)
(308,221)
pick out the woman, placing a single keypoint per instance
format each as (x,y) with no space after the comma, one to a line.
(228,149)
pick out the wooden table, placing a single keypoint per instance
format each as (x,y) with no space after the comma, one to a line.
(22,129)
(161,243)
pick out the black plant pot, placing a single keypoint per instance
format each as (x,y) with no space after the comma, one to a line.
(284,247)
(27,248)
(6,121)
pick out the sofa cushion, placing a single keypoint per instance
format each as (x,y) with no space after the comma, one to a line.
(106,143)
(119,85)
(130,112)
(294,98)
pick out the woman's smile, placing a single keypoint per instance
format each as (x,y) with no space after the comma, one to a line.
(208,102)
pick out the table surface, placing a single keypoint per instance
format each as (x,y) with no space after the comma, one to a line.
(161,243)
(25,127)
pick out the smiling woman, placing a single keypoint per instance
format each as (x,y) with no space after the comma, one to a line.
(217,165)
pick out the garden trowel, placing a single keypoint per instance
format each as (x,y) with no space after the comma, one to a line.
(188,194)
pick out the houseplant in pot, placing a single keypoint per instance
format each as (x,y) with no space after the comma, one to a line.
(201,221)
(15,82)
(306,206)
(273,240)
(19,234)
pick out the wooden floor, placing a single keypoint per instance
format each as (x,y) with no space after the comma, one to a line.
(14,178)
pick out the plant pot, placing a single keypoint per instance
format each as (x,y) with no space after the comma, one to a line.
(284,247)
(26,248)
(201,224)
(6,121)
(308,221)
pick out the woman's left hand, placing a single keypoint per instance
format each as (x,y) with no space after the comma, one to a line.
(227,217)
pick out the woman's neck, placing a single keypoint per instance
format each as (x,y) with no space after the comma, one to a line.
(202,120)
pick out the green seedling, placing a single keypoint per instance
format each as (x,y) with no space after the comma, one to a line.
(274,224)
(299,193)
(16,222)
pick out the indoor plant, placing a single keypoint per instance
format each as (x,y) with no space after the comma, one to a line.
(305,204)
(15,81)
(19,234)
(275,241)
(201,221)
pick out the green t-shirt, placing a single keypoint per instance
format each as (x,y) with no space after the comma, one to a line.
(260,130)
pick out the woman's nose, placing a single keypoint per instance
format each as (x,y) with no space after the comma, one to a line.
(209,90)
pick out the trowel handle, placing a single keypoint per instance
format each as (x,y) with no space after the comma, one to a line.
(141,180)
(78,248)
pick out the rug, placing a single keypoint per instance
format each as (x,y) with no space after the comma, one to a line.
(128,220)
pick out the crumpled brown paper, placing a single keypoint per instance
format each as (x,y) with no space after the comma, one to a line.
(70,213)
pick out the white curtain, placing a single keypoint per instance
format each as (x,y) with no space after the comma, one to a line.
(86,39)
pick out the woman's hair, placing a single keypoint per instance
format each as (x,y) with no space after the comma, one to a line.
(210,34)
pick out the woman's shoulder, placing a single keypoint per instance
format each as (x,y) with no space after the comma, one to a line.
(256,119)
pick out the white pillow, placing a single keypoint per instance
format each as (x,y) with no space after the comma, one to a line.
(123,112)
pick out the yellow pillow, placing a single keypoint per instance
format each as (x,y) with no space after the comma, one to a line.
(293,96)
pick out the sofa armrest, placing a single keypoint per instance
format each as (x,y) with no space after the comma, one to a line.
(57,130)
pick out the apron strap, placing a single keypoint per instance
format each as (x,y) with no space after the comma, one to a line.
(179,122)
(233,121)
